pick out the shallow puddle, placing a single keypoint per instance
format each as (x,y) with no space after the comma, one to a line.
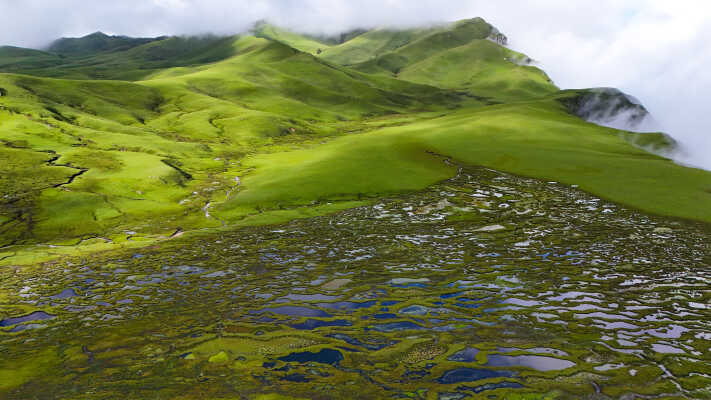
(539,363)
(460,375)
(35,316)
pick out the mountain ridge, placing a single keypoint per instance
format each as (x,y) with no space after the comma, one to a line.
(96,42)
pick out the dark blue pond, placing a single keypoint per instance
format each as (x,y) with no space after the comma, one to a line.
(35,316)
(396,326)
(410,285)
(295,378)
(467,305)
(310,324)
(466,355)
(325,356)
(472,374)
(64,294)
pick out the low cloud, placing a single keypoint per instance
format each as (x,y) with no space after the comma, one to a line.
(657,50)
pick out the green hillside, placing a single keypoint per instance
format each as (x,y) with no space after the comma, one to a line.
(383,47)
(301,42)
(532,139)
(463,55)
(98,56)
(214,132)
(372,44)
(17,58)
(97,42)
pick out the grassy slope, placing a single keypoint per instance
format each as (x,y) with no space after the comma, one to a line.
(428,43)
(304,136)
(92,125)
(372,44)
(298,41)
(457,56)
(131,137)
(17,58)
(489,72)
(535,139)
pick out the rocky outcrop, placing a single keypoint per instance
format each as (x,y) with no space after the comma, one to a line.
(498,37)
(610,107)
(615,109)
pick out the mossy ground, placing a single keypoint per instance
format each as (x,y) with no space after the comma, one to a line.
(405,291)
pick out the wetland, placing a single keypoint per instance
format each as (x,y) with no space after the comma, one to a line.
(486,285)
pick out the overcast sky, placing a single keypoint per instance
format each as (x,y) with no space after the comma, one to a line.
(657,50)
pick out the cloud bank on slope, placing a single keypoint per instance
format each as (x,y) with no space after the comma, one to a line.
(657,50)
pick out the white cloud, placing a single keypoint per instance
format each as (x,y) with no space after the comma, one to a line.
(657,50)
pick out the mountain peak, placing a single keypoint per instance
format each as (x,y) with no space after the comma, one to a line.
(97,34)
